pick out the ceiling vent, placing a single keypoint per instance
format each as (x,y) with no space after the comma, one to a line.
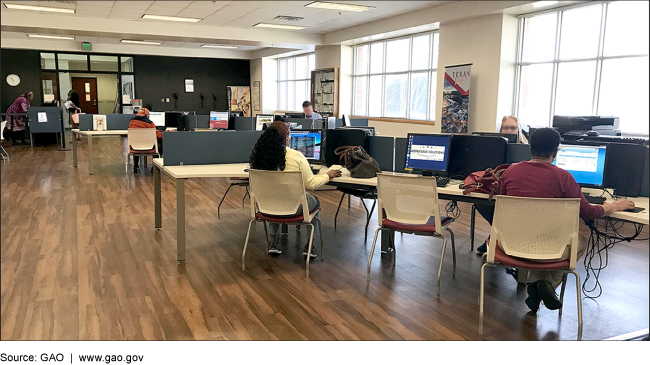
(287,18)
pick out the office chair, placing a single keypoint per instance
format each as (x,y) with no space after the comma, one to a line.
(362,194)
(234,181)
(409,204)
(269,206)
(533,234)
(142,142)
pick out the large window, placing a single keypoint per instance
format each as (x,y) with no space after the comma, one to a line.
(587,60)
(294,81)
(396,78)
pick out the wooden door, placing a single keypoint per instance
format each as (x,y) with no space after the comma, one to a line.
(87,89)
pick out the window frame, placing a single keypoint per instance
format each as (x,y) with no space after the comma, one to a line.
(294,80)
(557,60)
(432,66)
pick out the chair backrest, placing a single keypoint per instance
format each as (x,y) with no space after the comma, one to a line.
(142,139)
(277,192)
(535,228)
(408,199)
(2,129)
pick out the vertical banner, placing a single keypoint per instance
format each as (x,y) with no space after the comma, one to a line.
(240,99)
(455,99)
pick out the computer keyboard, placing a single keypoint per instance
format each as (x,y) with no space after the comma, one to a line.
(442,181)
(598,200)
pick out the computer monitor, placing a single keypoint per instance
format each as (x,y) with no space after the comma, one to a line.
(261,119)
(307,141)
(218,120)
(511,137)
(470,153)
(295,115)
(370,131)
(174,120)
(158,118)
(428,152)
(585,163)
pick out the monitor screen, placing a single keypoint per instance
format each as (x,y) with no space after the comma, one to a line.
(308,142)
(218,120)
(428,152)
(158,118)
(585,163)
(261,119)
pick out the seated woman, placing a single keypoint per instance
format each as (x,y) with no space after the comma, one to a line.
(141,120)
(272,154)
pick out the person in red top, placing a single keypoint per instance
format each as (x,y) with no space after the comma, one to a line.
(539,178)
(142,120)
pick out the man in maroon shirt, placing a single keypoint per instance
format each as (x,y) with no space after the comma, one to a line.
(539,178)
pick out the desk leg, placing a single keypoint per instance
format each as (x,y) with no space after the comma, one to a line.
(74,149)
(157,196)
(387,236)
(522,277)
(90,154)
(180,220)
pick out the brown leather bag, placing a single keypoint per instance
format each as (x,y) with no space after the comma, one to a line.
(486,182)
(357,161)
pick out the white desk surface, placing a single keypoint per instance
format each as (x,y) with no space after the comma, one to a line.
(237,170)
(102,133)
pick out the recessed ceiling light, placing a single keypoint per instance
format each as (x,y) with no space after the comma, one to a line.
(171,18)
(336,6)
(227,46)
(38,8)
(278,26)
(49,36)
(140,42)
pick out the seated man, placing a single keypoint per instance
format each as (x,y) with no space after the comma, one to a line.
(141,120)
(539,178)
(309,111)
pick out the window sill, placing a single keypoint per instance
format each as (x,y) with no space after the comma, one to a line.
(397,120)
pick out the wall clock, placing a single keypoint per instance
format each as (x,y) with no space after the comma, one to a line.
(13,80)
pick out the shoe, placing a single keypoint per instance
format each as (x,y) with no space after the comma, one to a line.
(274,247)
(483,248)
(547,294)
(533,299)
(136,169)
(513,272)
(313,253)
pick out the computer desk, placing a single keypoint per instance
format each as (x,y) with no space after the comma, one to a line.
(90,135)
(182,173)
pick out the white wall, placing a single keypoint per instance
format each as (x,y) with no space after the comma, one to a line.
(393,129)
(265,71)
(476,41)
(505,102)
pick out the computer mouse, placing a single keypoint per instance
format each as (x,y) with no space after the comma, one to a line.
(592,133)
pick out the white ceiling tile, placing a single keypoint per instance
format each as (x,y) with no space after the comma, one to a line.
(286,4)
(195,13)
(139,5)
(216,5)
(172,4)
(124,15)
(162,11)
(54,4)
(101,4)
(235,10)
(251,4)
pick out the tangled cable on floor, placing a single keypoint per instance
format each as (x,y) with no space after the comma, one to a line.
(452,209)
(604,235)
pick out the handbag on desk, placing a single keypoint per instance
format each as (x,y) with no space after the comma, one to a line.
(357,161)
(486,182)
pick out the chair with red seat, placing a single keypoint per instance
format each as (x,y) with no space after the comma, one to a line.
(409,204)
(533,234)
(275,198)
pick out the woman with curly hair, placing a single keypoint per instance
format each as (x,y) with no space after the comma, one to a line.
(272,154)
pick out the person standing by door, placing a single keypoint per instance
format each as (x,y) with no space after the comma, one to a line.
(16,123)
(72,106)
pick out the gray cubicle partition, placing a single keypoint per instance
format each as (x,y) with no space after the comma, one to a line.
(197,121)
(114,122)
(338,123)
(359,122)
(382,150)
(244,124)
(304,123)
(517,152)
(401,145)
(319,124)
(194,148)
(50,121)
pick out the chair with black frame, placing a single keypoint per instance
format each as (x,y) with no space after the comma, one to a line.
(235,181)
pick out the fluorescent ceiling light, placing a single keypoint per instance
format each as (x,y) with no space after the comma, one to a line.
(171,18)
(336,6)
(278,26)
(218,46)
(140,42)
(38,8)
(49,36)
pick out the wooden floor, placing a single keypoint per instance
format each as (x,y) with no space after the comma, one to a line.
(81,260)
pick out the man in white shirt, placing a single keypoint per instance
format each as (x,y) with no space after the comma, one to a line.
(309,111)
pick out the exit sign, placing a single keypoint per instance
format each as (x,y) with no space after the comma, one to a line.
(86,46)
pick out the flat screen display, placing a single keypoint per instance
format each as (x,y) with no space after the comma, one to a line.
(428,152)
(218,120)
(158,118)
(585,163)
(261,119)
(308,142)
